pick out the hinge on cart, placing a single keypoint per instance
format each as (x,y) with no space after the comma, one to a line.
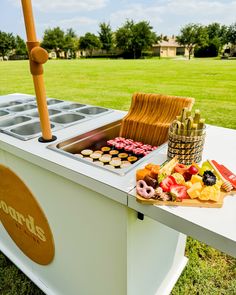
(140,216)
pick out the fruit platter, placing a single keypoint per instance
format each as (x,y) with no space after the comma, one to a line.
(175,184)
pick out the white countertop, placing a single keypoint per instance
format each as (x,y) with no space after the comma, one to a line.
(100,180)
(215,227)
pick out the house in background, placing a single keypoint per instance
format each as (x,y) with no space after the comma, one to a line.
(170,48)
(80,53)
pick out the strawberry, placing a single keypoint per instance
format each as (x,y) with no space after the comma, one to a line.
(167,183)
(178,192)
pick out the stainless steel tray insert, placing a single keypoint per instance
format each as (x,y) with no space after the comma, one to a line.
(14,121)
(94,140)
(51,112)
(26,131)
(22,108)
(72,106)
(67,118)
(93,110)
(9,104)
(3,113)
(53,101)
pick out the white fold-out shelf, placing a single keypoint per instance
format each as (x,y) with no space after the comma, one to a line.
(213,226)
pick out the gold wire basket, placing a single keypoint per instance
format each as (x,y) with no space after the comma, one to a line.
(186,144)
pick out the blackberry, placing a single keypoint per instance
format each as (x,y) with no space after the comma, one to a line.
(209,178)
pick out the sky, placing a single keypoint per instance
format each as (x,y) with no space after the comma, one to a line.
(165,16)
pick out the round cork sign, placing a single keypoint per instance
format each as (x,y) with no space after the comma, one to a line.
(24,219)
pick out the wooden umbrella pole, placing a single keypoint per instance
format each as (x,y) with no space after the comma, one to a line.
(37,56)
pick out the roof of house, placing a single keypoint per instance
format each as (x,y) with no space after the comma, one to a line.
(170,43)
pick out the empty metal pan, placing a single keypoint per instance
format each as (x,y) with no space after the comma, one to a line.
(26,131)
(67,118)
(22,108)
(53,101)
(72,106)
(9,104)
(3,113)
(13,121)
(93,111)
(51,112)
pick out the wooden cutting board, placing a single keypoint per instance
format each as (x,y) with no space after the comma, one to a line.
(188,202)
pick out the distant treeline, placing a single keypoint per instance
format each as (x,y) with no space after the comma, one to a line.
(132,40)
(12,46)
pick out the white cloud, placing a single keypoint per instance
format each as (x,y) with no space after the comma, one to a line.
(81,25)
(168,16)
(66,5)
(138,12)
(194,8)
(81,21)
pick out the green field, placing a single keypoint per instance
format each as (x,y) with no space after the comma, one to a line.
(111,83)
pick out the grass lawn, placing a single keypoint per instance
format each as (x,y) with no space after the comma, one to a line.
(111,83)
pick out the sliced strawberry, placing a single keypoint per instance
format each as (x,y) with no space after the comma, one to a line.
(167,183)
(179,192)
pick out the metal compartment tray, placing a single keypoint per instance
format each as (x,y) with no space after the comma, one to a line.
(13,120)
(3,113)
(94,140)
(9,104)
(93,111)
(22,108)
(68,118)
(27,131)
(71,106)
(53,101)
(35,114)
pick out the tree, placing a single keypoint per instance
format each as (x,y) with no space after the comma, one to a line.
(165,38)
(21,48)
(124,37)
(7,43)
(216,39)
(192,35)
(231,38)
(144,38)
(106,36)
(89,42)
(70,43)
(217,30)
(231,34)
(135,38)
(53,39)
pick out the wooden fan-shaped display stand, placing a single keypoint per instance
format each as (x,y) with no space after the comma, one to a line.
(150,116)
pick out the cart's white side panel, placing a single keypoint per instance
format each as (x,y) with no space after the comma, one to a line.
(89,232)
(155,256)
(100,245)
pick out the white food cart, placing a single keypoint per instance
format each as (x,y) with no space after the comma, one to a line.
(99,239)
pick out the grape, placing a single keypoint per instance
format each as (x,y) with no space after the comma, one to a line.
(205,166)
